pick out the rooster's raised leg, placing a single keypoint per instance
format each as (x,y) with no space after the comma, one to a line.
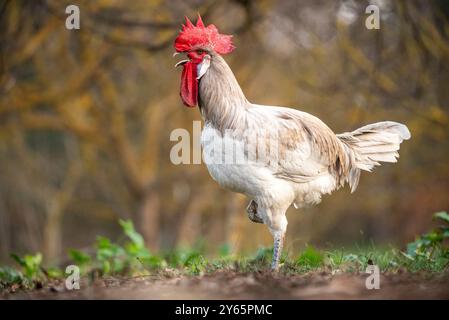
(252,212)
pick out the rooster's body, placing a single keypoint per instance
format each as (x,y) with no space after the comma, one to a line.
(287,156)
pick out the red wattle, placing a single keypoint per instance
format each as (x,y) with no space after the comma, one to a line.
(189,85)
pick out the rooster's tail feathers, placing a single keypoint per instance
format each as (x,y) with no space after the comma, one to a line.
(372,144)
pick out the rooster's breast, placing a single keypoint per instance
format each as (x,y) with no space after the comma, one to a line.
(226,160)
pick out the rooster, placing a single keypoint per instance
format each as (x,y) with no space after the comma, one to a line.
(291,157)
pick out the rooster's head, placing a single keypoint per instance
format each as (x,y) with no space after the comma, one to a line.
(200,43)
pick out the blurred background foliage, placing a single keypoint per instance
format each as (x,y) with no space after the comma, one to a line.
(86,115)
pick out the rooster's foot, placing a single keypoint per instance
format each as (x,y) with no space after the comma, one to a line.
(252,212)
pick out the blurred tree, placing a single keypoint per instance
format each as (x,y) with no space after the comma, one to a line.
(85,117)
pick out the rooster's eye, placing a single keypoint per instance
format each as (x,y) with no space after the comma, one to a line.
(200,51)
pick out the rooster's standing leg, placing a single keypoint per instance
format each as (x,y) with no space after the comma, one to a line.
(277,223)
(277,250)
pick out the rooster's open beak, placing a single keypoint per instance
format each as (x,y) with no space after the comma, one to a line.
(180,63)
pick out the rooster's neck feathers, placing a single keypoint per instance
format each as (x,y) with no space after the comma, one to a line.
(221,99)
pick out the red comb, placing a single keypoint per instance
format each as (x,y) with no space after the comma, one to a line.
(193,37)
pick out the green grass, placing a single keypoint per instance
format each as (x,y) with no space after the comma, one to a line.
(131,258)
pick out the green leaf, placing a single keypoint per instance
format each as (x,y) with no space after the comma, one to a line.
(18,259)
(9,275)
(310,257)
(55,273)
(434,237)
(35,260)
(412,248)
(442,215)
(30,264)
(112,257)
(133,235)
(79,257)
(106,267)
(103,243)
(153,262)
(192,258)
(445,232)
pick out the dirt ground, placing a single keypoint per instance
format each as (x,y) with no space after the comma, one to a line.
(262,285)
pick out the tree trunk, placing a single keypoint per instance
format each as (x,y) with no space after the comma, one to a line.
(190,220)
(149,218)
(52,232)
(52,242)
(234,220)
